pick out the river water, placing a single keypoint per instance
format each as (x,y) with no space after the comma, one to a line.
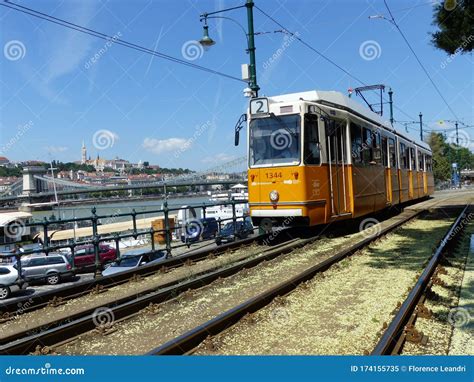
(122,207)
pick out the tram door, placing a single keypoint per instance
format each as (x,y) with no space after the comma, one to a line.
(337,166)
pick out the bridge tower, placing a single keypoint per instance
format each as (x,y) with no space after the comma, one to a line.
(32,185)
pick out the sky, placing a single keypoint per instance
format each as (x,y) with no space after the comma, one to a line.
(60,87)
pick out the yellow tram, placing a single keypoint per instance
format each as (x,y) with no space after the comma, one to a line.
(319,156)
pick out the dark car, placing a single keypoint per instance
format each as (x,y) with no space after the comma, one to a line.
(52,268)
(84,255)
(134,259)
(238,231)
(199,229)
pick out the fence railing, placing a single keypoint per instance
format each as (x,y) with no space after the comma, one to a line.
(191,229)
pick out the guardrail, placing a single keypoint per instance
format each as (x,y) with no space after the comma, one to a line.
(191,224)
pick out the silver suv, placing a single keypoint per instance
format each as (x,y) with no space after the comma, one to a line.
(9,280)
(52,268)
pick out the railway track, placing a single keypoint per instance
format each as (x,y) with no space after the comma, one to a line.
(191,339)
(402,328)
(10,309)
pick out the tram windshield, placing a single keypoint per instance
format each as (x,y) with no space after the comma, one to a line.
(275,140)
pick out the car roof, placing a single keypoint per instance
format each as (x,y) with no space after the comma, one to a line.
(41,255)
(136,252)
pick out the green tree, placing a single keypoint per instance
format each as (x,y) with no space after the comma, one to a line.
(455,20)
(444,154)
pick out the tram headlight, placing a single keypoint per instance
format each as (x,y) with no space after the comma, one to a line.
(274,196)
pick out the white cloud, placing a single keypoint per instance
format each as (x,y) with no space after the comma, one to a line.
(56,149)
(159,146)
(221,157)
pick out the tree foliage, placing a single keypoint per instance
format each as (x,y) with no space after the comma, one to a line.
(444,154)
(455,20)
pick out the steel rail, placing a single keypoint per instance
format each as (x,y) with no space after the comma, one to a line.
(396,328)
(189,340)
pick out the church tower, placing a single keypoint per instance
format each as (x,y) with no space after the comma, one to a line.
(84,153)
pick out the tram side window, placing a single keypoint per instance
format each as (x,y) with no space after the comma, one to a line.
(403,156)
(421,167)
(367,146)
(393,153)
(412,159)
(385,151)
(377,148)
(429,167)
(312,150)
(356,143)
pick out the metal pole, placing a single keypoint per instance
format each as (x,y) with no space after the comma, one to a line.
(251,48)
(167,229)
(421,126)
(390,97)
(98,270)
(457,136)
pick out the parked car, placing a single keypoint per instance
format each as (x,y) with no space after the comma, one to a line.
(31,247)
(10,280)
(134,259)
(243,228)
(84,255)
(199,229)
(52,268)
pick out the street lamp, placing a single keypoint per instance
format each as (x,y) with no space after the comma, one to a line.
(206,42)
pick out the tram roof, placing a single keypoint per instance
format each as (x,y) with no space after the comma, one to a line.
(340,99)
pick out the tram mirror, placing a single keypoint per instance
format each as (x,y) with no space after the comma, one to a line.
(237,138)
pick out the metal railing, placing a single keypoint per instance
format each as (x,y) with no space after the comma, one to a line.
(179,231)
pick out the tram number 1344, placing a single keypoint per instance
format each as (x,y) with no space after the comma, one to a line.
(273,175)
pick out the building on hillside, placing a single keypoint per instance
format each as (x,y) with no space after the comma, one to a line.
(4,162)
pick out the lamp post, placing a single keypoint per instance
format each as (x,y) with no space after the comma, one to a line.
(207,42)
(421,125)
